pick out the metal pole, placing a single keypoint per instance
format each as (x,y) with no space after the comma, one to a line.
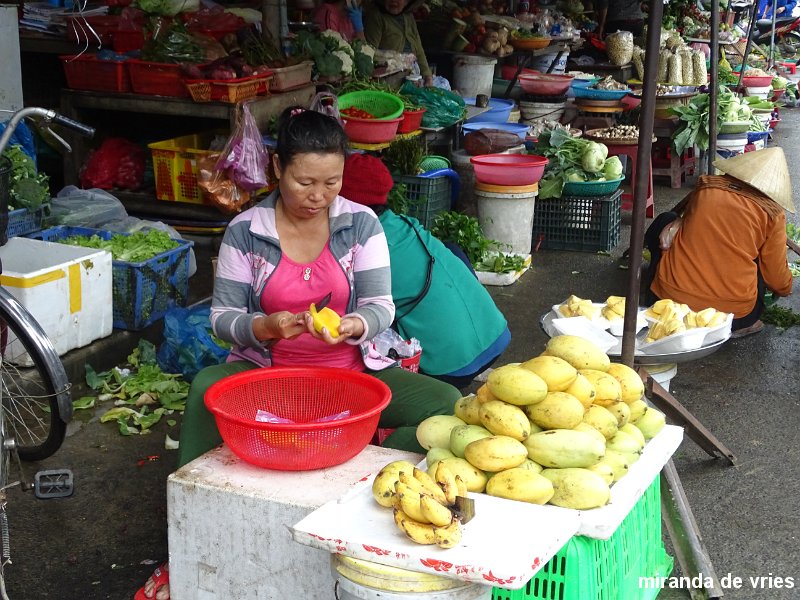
(772,34)
(640,185)
(750,33)
(714,91)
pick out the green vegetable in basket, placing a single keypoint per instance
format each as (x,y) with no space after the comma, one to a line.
(575,175)
(612,168)
(29,188)
(135,248)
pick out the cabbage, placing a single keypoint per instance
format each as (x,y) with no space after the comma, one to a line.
(594,157)
(612,168)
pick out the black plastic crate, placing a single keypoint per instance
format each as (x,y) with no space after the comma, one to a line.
(584,224)
(429,196)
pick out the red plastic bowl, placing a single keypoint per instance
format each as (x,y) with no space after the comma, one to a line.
(757,80)
(412,119)
(371,131)
(304,395)
(545,85)
(508,169)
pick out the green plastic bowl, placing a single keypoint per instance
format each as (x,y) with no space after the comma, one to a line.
(591,188)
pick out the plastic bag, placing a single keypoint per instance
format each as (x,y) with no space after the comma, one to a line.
(218,187)
(189,345)
(244,156)
(117,163)
(443,108)
(327,104)
(22,136)
(84,208)
(619,47)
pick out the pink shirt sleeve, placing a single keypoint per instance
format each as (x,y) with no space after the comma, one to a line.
(330,16)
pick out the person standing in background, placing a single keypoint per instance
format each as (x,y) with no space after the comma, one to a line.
(389,25)
(342,16)
(619,15)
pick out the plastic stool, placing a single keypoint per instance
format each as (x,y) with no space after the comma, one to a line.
(627,197)
(791,67)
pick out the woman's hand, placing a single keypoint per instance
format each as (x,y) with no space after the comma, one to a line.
(283,325)
(349,327)
(669,232)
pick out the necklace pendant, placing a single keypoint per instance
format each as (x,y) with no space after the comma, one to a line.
(306,273)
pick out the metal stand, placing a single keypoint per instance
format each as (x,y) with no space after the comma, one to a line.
(687,542)
(681,526)
(678,414)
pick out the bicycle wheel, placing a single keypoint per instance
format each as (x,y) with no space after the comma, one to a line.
(32,379)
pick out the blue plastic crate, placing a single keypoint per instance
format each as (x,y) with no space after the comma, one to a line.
(23,221)
(141,292)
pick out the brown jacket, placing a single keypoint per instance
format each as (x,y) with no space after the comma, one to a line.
(725,237)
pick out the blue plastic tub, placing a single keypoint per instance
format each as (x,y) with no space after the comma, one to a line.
(499,110)
(583,83)
(585,92)
(521,129)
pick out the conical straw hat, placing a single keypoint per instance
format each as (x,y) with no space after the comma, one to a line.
(765,170)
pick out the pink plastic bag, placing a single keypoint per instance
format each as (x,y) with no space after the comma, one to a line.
(244,158)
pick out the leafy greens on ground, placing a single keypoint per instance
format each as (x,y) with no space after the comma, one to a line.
(142,393)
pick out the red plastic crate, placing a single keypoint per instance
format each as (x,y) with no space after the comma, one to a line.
(157,79)
(86,72)
(80,29)
(127,40)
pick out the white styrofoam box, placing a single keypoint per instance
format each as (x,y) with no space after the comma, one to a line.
(67,289)
(500,279)
(229,523)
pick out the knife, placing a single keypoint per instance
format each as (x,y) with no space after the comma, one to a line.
(464,509)
(324,302)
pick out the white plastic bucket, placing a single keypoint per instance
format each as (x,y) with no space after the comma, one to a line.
(728,148)
(532,111)
(473,75)
(663,374)
(507,218)
(543,62)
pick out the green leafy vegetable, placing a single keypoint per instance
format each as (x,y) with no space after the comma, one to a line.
(463,230)
(135,248)
(500,262)
(780,316)
(29,189)
(142,387)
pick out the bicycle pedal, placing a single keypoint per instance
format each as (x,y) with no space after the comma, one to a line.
(54,483)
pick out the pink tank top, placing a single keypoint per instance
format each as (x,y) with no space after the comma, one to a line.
(293,287)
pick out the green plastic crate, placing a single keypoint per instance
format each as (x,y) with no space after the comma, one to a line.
(429,196)
(582,223)
(589,569)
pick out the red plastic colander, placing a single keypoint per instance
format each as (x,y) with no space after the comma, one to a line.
(303,395)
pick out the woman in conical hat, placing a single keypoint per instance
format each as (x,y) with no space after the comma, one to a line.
(724,244)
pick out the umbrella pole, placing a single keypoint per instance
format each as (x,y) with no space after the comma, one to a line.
(748,45)
(772,35)
(714,91)
(640,185)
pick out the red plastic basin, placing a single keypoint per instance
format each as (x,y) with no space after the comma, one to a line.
(545,85)
(508,169)
(757,80)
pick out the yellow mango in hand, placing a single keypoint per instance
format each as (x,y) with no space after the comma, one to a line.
(326,318)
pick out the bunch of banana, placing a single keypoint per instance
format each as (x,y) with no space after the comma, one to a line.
(708,317)
(578,307)
(423,506)
(657,310)
(614,308)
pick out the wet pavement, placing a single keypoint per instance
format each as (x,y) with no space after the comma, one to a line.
(104,541)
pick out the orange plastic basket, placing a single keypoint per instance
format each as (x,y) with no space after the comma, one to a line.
(303,395)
